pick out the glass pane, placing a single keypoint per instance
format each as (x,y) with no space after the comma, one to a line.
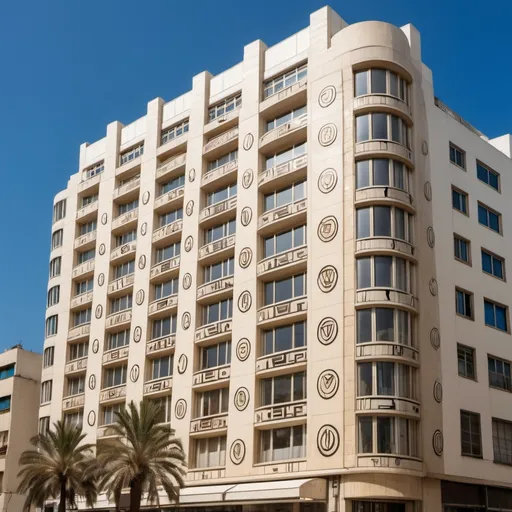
(382,220)
(365,434)
(489,314)
(381,172)
(283,290)
(385,435)
(486,262)
(378,81)
(400,274)
(363,223)
(284,241)
(385,379)
(362,128)
(384,324)
(399,224)
(363,273)
(283,338)
(365,379)
(393,84)
(364,326)
(383,269)
(363,174)
(379,126)
(361,81)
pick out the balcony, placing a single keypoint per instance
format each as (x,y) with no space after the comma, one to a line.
(86,242)
(216,250)
(283,175)
(294,360)
(162,307)
(172,199)
(173,146)
(89,184)
(85,269)
(288,134)
(122,284)
(129,168)
(287,99)
(387,351)
(217,331)
(391,404)
(384,245)
(387,298)
(221,123)
(215,290)
(123,252)
(211,377)
(88,212)
(165,269)
(392,461)
(212,425)
(382,103)
(73,402)
(223,143)
(166,234)
(290,412)
(115,393)
(161,345)
(81,300)
(284,312)
(278,265)
(128,219)
(218,212)
(105,432)
(129,190)
(383,149)
(158,386)
(76,366)
(115,355)
(122,318)
(219,176)
(171,167)
(77,333)
(387,196)
(287,216)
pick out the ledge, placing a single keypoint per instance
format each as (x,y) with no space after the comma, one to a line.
(280,413)
(157,386)
(388,405)
(169,198)
(163,269)
(293,359)
(123,251)
(392,246)
(386,297)
(212,250)
(290,133)
(73,402)
(284,174)
(387,350)
(215,424)
(282,217)
(76,366)
(171,166)
(88,211)
(211,377)
(382,103)
(293,96)
(117,354)
(168,232)
(385,149)
(114,393)
(275,265)
(117,319)
(217,212)
(223,143)
(215,289)
(161,306)
(384,196)
(161,345)
(217,331)
(283,312)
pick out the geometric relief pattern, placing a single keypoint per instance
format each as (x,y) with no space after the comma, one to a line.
(280,412)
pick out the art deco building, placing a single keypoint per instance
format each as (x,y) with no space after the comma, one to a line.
(303,259)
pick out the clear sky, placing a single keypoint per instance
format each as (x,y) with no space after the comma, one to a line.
(70,67)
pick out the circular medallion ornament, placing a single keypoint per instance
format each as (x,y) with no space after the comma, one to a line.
(186,320)
(327,180)
(191,175)
(237,452)
(189,209)
(243,349)
(134,373)
(180,409)
(328,384)
(327,330)
(92,382)
(327,279)
(327,96)
(432,286)
(328,440)
(139,298)
(245,257)
(248,141)
(99,311)
(438,391)
(142,261)
(144,228)
(104,218)
(95,346)
(137,334)
(101,279)
(101,249)
(327,134)
(327,229)
(438,442)
(182,364)
(246,216)
(242,398)
(431,237)
(247,178)
(427,190)
(435,338)
(244,301)
(186,282)
(189,243)
(145,197)
(424,147)
(91,418)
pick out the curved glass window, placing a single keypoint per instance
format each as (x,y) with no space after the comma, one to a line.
(382,172)
(381,126)
(384,221)
(384,272)
(381,81)
(385,324)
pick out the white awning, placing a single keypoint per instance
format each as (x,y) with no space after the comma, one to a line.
(307,489)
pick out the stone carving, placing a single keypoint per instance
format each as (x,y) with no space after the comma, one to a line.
(327,96)
(328,440)
(248,141)
(281,359)
(247,178)
(139,298)
(101,249)
(182,364)
(180,409)
(155,387)
(435,338)
(219,140)
(215,375)
(134,373)
(191,175)
(189,209)
(137,334)
(92,381)
(328,384)
(282,212)
(145,197)
(244,301)
(144,228)
(217,246)
(243,349)
(427,190)
(104,218)
(438,391)
(245,257)
(99,311)
(327,180)
(213,330)
(327,330)
(237,452)
(189,243)
(246,216)
(438,442)
(101,279)
(161,344)
(186,282)
(186,320)
(285,308)
(424,147)
(431,237)
(282,260)
(327,134)
(142,261)
(91,418)
(432,286)
(95,346)
(280,412)
(242,398)
(327,229)
(166,266)
(327,278)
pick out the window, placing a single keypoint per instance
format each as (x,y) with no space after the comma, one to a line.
(285,118)
(173,184)
(124,269)
(5,403)
(44,424)
(457,156)
(460,201)
(285,337)
(470,437)
(393,435)
(121,303)
(466,361)
(82,257)
(380,81)
(84,286)
(174,131)
(7,371)
(384,221)
(286,155)
(212,402)
(46,391)
(131,154)
(224,107)
(493,264)
(285,196)
(164,404)
(59,210)
(163,327)
(126,238)
(285,80)
(496,315)
(487,175)
(499,373)
(464,303)
(55,267)
(76,386)
(93,170)
(282,389)
(285,289)
(88,200)
(52,325)
(219,270)
(284,241)
(57,237)
(128,207)
(223,160)
(169,217)
(216,355)
(385,324)
(489,218)
(385,272)
(87,227)
(118,339)
(210,452)
(166,289)
(217,312)
(166,253)
(53,296)
(461,249)
(74,419)
(81,317)
(220,231)
(114,376)
(109,413)
(283,443)
(162,367)
(502,441)
(78,350)
(386,379)
(381,126)
(382,172)
(48,357)
(221,194)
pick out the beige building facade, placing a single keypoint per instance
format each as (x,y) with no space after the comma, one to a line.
(20,372)
(302,259)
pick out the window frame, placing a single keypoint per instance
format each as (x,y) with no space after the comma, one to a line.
(404,130)
(471,295)
(294,294)
(472,351)
(174,129)
(507,380)
(493,257)
(160,252)
(49,356)
(302,448)
(458,238)
(295,72)
(407,225)
(490,211)
(156,367)
(266,334)
(173,323)
(398,338)
(219,453)
(130,154)
(464,198)
(471,414)
(506,315)
(495,440)
(463,155)
(402,84)
(391,174)
(489,171)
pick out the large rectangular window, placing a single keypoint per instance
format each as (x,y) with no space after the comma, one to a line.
(382,172)
(121,303)
(87,227)
(114,376)
(162,367)
(219,270)
(210,452)
(284,80)
(109,413)
(48,357)
(502,441)
(285,337)
(221,194)
(222,310)
(487,175)
(384,221)
(166,289)
(384,378)
(466,361)
(460,200)
(74,419)
(283,443)
(168,252)
(128,207)
(287,195)
(169,217)
(84,286)
(163,327)
(380,81)
(225,107)
(55,267)
(5,403)
(78,350)
(381,126)
(118,339)
(285,118)
(470,435)
(457,156)
(223,160)
(174,131)
(57,238)
(82,257)
(131,154)
(282,389)
(46,391)
(285,289)
(52,323)
(173,184)
(496,315)
(93,170)
(385,324)
(464,303)
(164,405)
(499,373)
(59,210)
(220,231)
(125,238)
(216,355)
(82,317)
(76,386)
(493,264)
(462,249)
(7,371)
(284,241)
(384,272)
(489,218)
(124,269)
(210,403)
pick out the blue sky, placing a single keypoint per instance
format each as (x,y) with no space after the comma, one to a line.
(70,67)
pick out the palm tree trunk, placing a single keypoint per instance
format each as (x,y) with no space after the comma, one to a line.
(135,495)
(62,501)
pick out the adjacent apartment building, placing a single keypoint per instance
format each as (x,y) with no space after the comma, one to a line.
(20,379)
(303,259)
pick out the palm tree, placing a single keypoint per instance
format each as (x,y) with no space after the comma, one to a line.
(59,466)
(146,456)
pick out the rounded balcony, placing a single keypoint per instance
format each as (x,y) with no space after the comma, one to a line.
(161,346)
(165,269)
(283,174)
(171,167)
